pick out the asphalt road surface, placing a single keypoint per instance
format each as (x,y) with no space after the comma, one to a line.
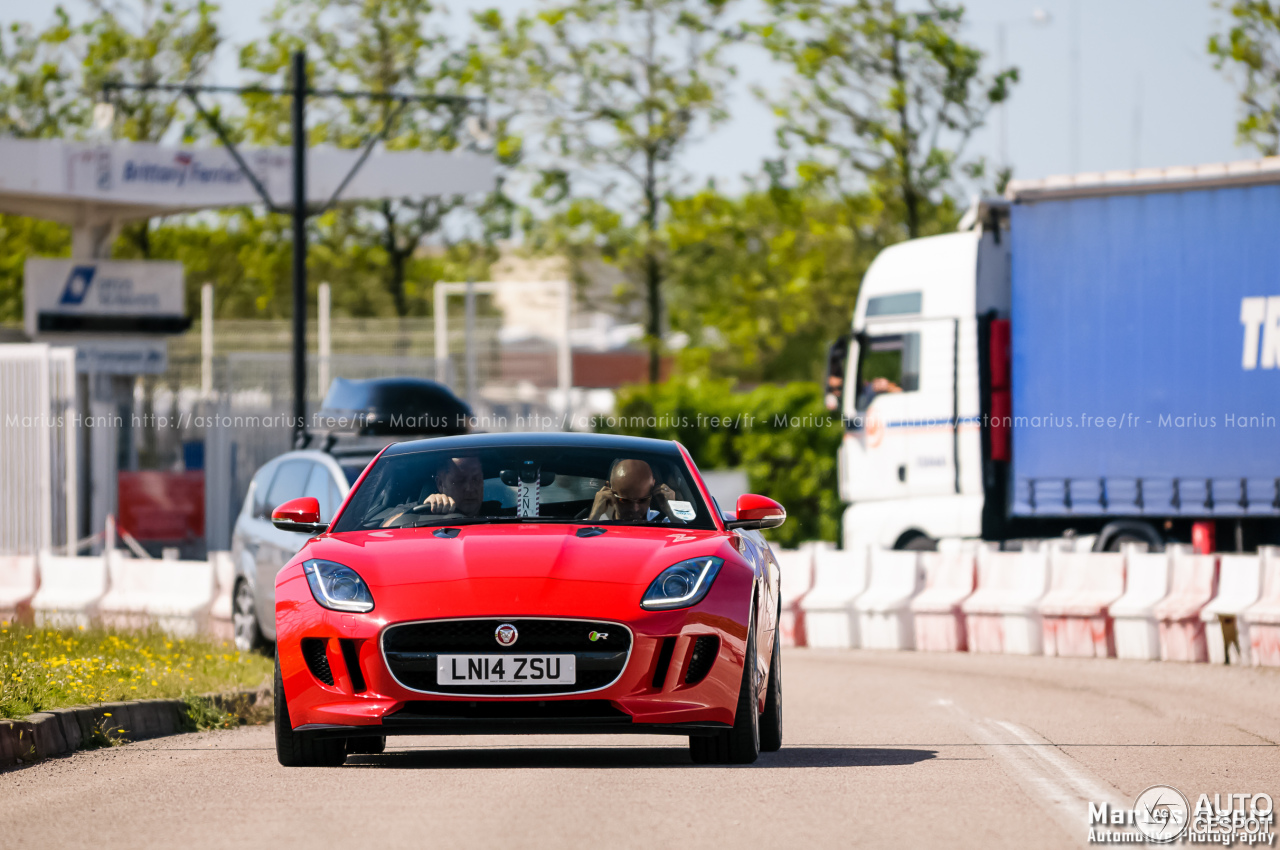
(882,749)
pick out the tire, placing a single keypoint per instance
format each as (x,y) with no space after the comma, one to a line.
(771,720)
(366,746)
(300,749)
(740,744)
(921,543)
(244,618)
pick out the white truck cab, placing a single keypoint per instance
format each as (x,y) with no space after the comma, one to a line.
(911,463)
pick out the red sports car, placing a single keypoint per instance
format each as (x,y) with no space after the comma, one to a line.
(529,583)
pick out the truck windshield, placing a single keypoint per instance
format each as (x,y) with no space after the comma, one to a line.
(887,364)
(525,484)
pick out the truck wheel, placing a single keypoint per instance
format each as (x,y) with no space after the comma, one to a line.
(1116,534)
(919,543)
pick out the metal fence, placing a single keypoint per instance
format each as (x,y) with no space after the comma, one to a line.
(38,448)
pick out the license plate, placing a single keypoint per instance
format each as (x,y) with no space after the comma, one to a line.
(505,669)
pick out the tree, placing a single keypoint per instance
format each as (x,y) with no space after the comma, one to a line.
(1251,48)
(395,46)
(764,281)
(619,89)
(884,99)
(50,79)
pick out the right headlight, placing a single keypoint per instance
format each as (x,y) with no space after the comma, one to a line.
(681,585)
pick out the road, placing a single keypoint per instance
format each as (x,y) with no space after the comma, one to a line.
(882,749)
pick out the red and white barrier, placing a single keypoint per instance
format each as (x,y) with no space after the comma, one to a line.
(1134,615)
(174,595)
(1239,584)
(884,610)
(70,590)
(1082,586)
(936,612)
(19,581)
(1193,583)
(795,575)
(1262,618)
(1003,614)
(224,576)
(839,576)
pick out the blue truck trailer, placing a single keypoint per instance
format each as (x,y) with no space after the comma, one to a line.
(1097,355)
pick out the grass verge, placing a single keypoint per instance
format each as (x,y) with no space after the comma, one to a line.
(42,669)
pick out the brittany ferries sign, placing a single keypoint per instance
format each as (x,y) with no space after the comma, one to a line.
(74,182)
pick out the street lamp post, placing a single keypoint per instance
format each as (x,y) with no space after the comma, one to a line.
(1039,17)
(299,212)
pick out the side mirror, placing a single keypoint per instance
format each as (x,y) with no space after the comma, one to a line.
(837,365)
(754,512)
(301,515)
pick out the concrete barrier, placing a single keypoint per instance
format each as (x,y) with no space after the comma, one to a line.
(174,595)
(1134,614)
(1262,618)
(224,576)
(884,609)
(1082,586)
(70,590)
(1194,581)
(840,575)
(1003,614)
(1239,585)
(19,581)
(795,568)
(936,612)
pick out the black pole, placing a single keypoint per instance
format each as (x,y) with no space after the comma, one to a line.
(299,245)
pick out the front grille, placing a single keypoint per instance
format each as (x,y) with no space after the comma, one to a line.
(411,650)
(701,659)
(313,650)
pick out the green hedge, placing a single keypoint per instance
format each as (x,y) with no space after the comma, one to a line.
(782,435)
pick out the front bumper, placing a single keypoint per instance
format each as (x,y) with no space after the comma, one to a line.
(338,682)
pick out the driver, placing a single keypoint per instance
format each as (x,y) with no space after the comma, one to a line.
(633,495)
(459,492)
(459,487)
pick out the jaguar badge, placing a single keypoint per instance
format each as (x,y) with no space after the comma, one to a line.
(506,634)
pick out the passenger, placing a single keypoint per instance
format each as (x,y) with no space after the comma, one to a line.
(633,495)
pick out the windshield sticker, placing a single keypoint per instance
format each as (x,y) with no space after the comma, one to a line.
(682,510)
(528,498)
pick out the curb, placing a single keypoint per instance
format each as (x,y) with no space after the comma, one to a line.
(61,731)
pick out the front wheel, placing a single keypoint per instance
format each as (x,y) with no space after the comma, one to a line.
(302,749)
(740,744)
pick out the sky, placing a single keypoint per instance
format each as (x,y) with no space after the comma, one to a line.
(1148,93)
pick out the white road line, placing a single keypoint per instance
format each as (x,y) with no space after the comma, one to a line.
(1059,783)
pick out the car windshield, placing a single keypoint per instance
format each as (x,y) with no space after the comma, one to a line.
(548,484)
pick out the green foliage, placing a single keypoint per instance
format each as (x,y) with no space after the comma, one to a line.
(1251,48)
(781,435)
(20,238)
(882,98)
(616,91)
(766,280)
(51,668)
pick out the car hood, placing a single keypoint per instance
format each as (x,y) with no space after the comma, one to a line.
(511,569)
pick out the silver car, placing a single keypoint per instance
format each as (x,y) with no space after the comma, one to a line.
(260,549)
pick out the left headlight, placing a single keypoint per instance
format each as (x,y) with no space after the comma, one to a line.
(681,585)
(337,587)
